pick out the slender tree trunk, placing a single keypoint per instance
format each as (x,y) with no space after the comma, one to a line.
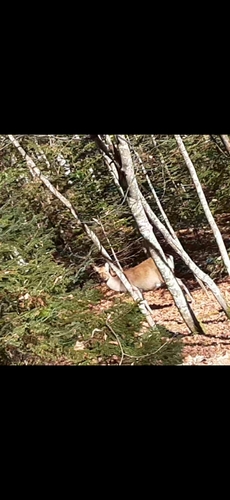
(111,167)
(204,203)
(213,139)
(176,245)
(226,142)
(165,218)
(134,200)
(36,173)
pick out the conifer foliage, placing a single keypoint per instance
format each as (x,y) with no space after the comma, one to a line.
(52,309)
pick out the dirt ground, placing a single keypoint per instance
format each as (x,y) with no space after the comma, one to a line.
(213,348)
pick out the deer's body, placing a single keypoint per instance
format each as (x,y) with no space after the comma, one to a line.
(144,276)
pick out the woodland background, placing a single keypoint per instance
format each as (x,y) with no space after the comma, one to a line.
(53,309)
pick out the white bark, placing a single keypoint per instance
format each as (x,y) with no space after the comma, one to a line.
(204,203)
(135,203)
(36,173)
(225,140)
(176,245)
(165,218)
(212,137)
(167,223)
(112,169)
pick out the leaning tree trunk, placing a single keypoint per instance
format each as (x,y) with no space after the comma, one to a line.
(173,242)
(37,174)
(164,216)
(145,228)
(204,203)
(226,142)
(176,245)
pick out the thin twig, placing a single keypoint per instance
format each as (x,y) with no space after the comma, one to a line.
(118,340)
(132,356)
(37,174)
(108,241)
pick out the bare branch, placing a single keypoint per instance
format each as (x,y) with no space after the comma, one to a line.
(35,171)
(176,245)
(204,203)
(226,142)
(135,203)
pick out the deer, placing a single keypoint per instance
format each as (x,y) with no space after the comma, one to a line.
(145,276)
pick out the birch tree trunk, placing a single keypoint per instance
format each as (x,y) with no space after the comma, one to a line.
(36,173)
(134,199)
(111,167)
(165,218)
(172,240)
(226,142)
(204,203)
(176,245)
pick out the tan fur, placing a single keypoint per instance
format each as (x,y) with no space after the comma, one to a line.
(144,276)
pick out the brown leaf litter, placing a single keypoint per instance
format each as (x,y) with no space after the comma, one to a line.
(213,348)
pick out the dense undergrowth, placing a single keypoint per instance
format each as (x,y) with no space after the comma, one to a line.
(50,306)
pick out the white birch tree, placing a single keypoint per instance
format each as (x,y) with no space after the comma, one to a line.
(204,203)
(171,239)
(226,142)
(134,199)
(38,175)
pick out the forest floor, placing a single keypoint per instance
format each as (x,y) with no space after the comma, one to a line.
(213,348)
